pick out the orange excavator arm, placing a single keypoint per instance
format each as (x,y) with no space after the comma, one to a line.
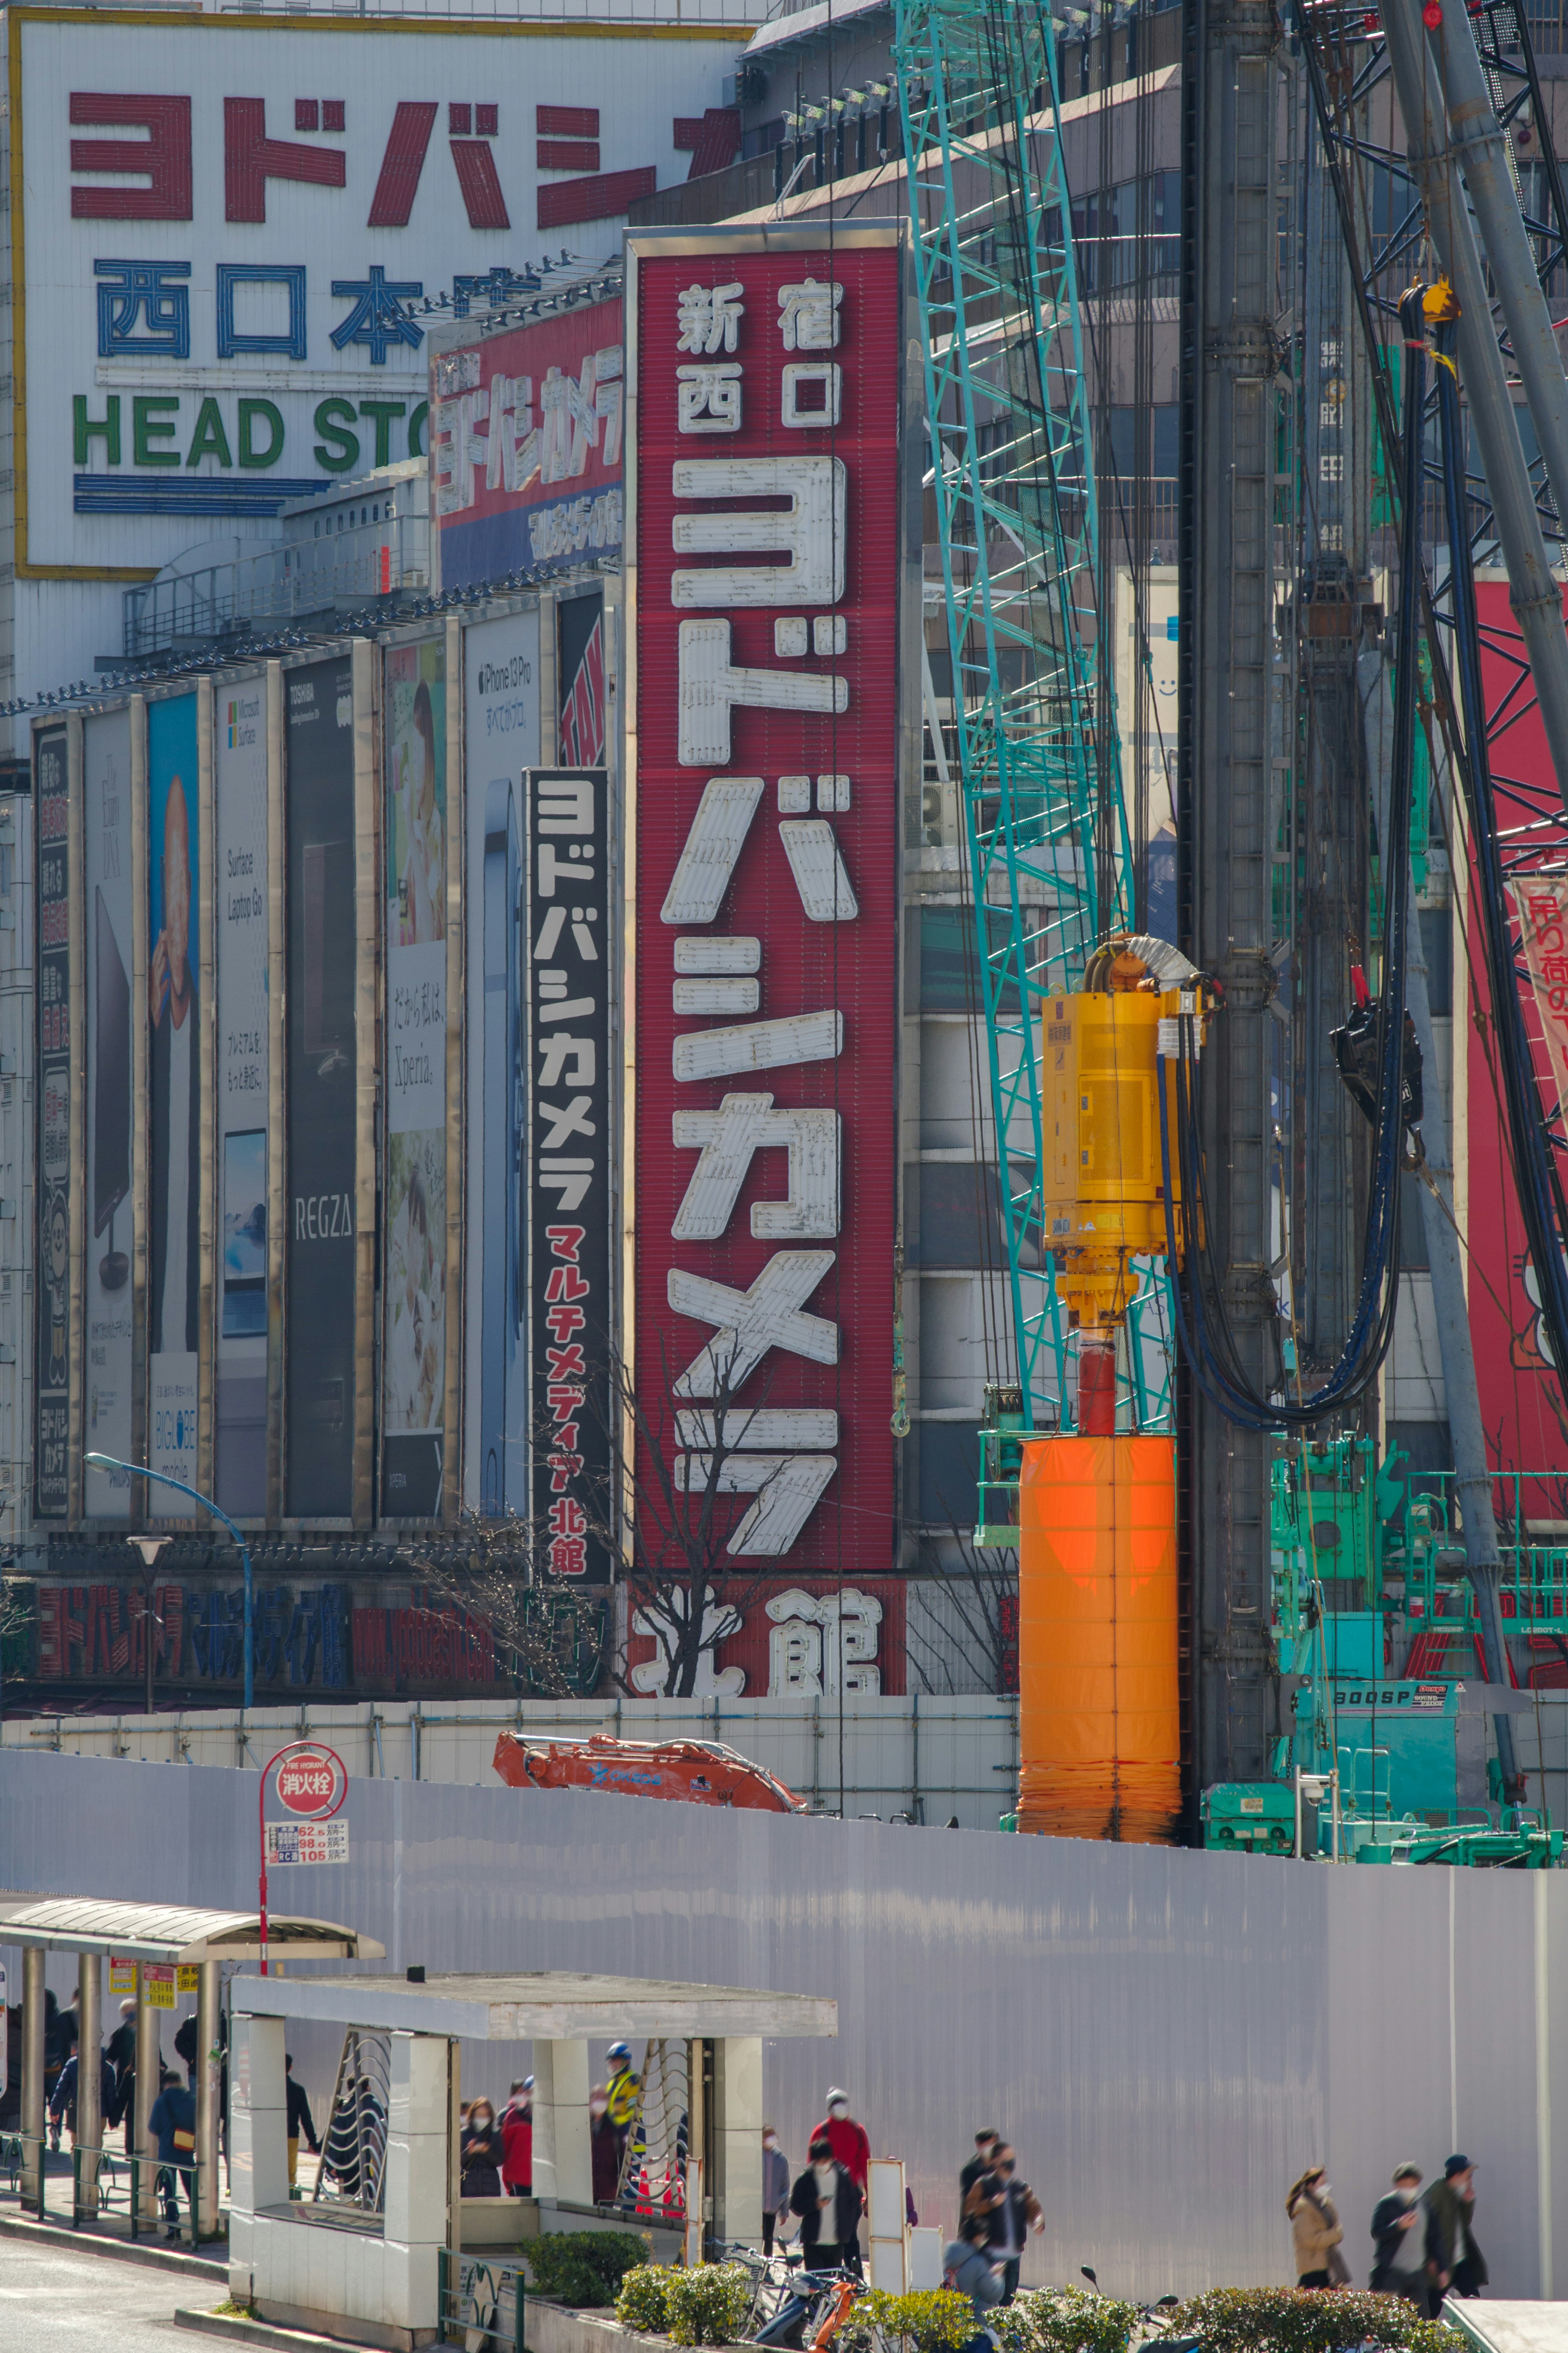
(700,1772)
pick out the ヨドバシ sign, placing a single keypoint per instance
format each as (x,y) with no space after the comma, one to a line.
(312,1782)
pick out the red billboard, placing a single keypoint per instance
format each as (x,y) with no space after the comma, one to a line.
(1520,1390)
(765,508)
(525,447)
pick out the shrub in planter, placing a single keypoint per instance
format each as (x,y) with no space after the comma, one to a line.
(642,2302)
(583,2267)
(1063,2320)
(927,2320)
(1303,2320)
(707,2305)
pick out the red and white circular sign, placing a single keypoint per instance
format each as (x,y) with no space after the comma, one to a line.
(312,1782)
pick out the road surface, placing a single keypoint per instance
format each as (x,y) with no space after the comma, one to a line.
(54,2301)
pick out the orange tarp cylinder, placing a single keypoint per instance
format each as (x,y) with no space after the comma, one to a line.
(1098,1708)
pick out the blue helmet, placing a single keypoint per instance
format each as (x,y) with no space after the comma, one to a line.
(620,2050)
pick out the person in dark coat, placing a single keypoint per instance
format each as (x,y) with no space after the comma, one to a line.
(1399,2264)
(1455,2264)
(828,2205)
(987,2141)
(484,2153)
(62,2101)
(1010,2209)
(604,2147)
(174,2128)
(300,2120)
(775,2188)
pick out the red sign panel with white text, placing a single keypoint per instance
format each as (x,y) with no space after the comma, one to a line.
(767,504)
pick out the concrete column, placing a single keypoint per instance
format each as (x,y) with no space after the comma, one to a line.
(415,2225)
(735,2141)
(257,2142)
(32,2072)
(149,2066)
(563,2151)
(89,2078)
(206,2077)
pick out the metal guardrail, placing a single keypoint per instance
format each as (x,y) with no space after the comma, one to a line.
(119,2176)
(482,2303)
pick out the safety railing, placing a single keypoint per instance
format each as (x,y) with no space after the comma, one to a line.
(482,2301)
(117,2180)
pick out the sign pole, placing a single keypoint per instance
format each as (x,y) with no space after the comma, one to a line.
(310,1801)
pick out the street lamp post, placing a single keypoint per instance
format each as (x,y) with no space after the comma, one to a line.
(141,1471)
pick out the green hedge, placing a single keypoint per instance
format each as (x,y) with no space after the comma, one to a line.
(1063,2320)
(927,2320)
(705,2305)
(583,2267)
(1305,2320)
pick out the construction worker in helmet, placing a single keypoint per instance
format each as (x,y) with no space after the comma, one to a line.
(624,2091)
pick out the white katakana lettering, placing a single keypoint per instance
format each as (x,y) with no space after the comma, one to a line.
(726,1139)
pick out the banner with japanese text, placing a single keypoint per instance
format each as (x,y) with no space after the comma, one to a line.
(566,1050)
(764,505)
(239,1415)
(52,1404)
(109,884)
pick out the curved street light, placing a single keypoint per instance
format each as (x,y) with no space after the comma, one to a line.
(141,1471)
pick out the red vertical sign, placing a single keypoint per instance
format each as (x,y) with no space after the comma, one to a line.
(766,505)
(1521,1393)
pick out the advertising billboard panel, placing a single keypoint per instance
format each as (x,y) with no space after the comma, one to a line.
(766,501)
(566,1056)
(501,740)
(525,447)
(413,1275)
(174,1098)
(239,1402)
(322,1075)
(230,273)
(51,773)
(106,865)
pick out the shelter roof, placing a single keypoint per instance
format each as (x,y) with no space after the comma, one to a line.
(554,2006)
(171,1932)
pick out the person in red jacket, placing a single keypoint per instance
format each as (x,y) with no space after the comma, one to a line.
(517,2139)
(852,2149)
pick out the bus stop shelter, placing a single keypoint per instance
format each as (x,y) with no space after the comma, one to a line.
(149,1936)
(375,2277)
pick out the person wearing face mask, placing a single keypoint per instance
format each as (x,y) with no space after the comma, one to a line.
(1398,2234)
(1316,2229)
(1010,2211)
(1455,2264)
(828,2205)
(776,2188)
(483,2153)
(605,2147)
(851,2148)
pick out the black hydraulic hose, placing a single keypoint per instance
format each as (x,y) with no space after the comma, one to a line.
(1535,1163)
(1212,1357)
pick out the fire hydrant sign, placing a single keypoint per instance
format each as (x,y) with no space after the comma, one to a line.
(766,510)
(311,1782)
(307,1842)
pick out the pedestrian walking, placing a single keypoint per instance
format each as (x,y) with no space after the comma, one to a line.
(174,2128)
(517,2140)
(1399,2239)
(776,2188)
(624,2093)
(483,2153)
(1011,2211)
(987,2141)
(1455,2264)
(62,2100)
(828,2204)
(604,2149)
(851,2146)
(967,2268)
(1317,2231)
(300,2120)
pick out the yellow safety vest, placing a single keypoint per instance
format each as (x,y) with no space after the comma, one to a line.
(622,2093)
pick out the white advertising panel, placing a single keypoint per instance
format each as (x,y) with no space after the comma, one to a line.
(106,856)
(228,227)
(239,734)
(502,718)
